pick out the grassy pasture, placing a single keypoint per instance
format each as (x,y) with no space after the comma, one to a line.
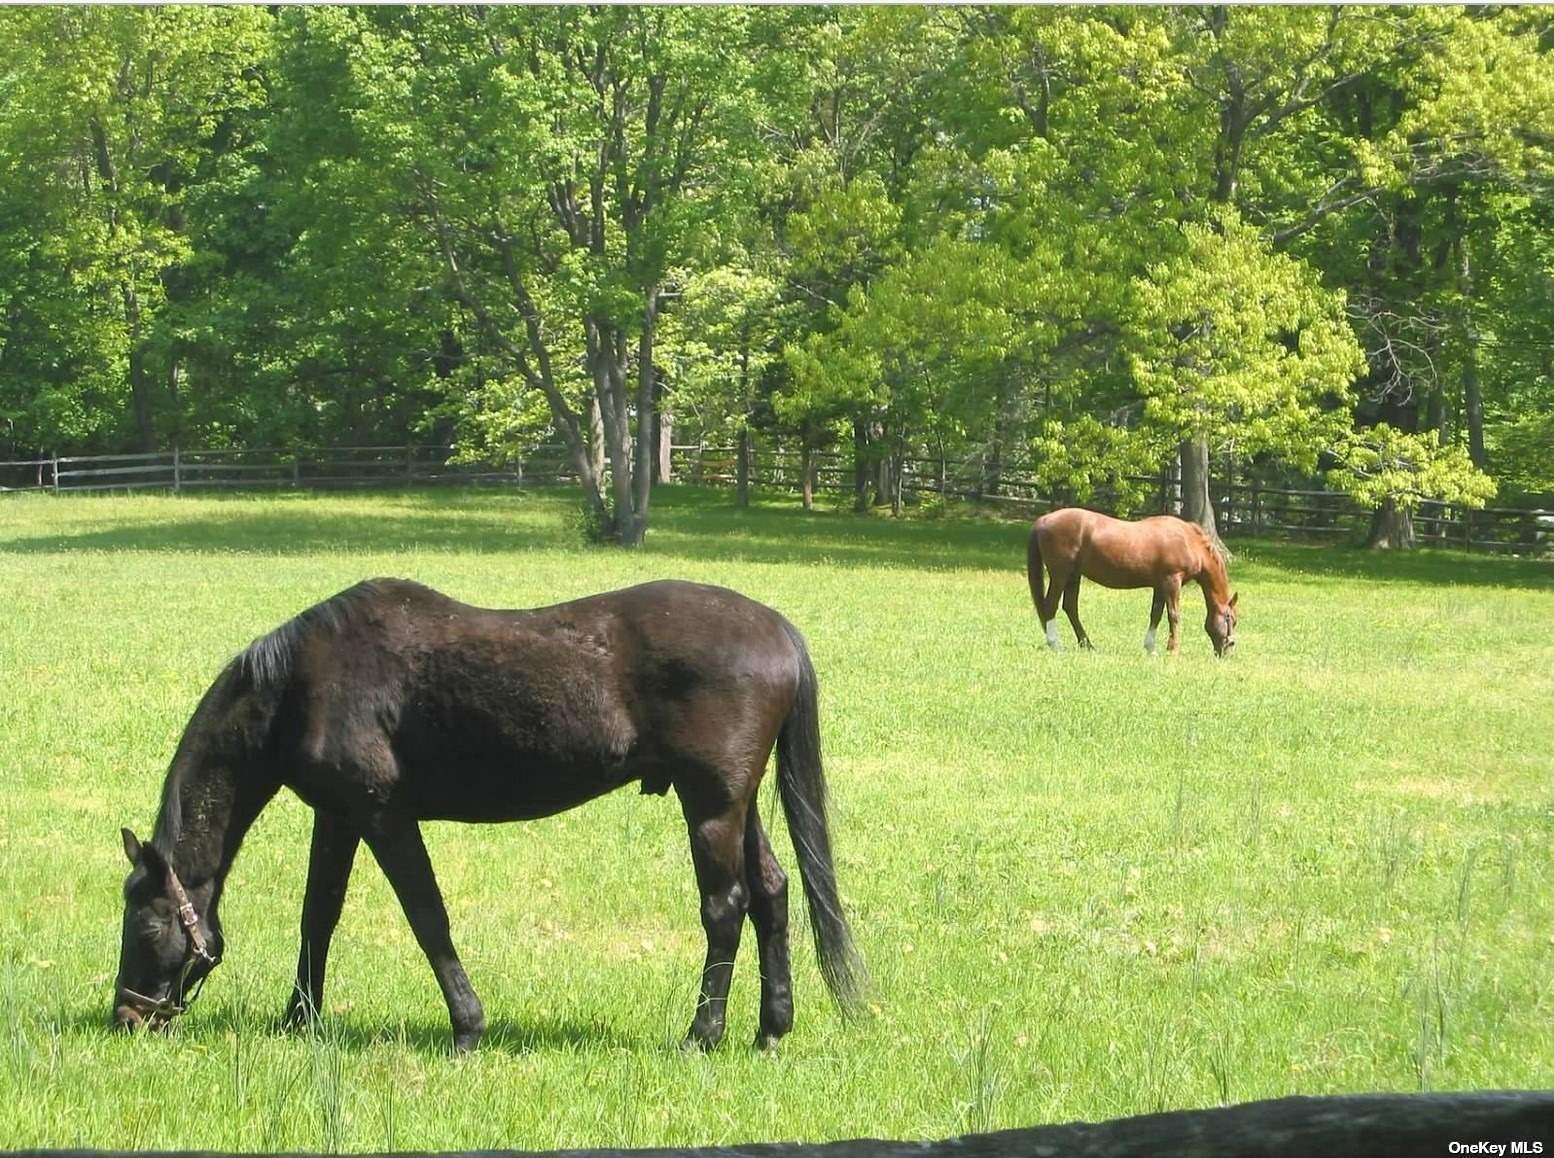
(1087,884)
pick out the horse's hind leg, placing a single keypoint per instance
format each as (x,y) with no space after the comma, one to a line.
(1058,576)
(768,886)
(329,869)
(1156,610)
(396,842)
(1071,609)
(717,829)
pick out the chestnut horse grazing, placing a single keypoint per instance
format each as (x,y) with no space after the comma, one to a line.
(1161,553)
(390,704)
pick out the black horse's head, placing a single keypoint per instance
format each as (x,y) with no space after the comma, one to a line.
(168,949)
(1221,626)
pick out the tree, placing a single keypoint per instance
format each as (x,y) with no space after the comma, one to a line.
(110,122)
(560,164)
(1390,471)
(1238,349)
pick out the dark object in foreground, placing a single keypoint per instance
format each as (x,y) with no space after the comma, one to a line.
(1161,553)
(1358,1126)
(390,704)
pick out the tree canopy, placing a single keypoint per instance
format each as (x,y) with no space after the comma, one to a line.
(1119,242)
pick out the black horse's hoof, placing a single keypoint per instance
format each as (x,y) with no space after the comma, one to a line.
(297,1018)
(698,1043)
(768,1043)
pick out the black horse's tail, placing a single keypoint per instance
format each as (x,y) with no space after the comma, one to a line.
(802,786)
(1033,569)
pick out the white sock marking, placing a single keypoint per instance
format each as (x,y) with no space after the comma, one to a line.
(1149,641)
(1052,634)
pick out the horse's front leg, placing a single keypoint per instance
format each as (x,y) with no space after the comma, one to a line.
(1156,610)
(1173,602)
(329,869)
(1071,609)
(717,852)
(396,843)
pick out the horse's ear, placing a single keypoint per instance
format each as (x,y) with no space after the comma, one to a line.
(131,845)
(1234,597)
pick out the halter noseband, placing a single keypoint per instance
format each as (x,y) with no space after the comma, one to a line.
(177,1001)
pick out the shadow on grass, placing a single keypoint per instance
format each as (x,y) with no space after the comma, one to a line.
(433,1035)
(690,523)
(687,523)
(356,1034)
(1425,566)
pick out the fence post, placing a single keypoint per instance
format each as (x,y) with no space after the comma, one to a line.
(177,471)
(296,470)
(56,472)
(409,462)
(1257,511)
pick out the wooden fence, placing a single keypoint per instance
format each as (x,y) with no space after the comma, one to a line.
(1247,507)
(1243,506)
(269,467)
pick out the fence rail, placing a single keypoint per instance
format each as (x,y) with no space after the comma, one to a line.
(1242,507)
(1250,507)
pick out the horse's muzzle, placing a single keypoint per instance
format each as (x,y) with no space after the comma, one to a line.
(127,1018)
(130,1015)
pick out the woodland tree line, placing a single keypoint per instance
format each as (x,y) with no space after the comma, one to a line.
(1117,241)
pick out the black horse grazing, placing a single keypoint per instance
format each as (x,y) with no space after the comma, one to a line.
(390,704)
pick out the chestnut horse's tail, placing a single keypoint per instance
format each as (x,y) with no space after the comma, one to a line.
(1034,571)
(802,787)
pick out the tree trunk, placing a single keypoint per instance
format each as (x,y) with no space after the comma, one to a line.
(664,465)
(140,391)
(992,465)
(1435,412)
(1472,393)
(606,355)
(596,437)
(1197,506)
(647,409)
(742,470)
(860,465)
(1392,528)
(884,481)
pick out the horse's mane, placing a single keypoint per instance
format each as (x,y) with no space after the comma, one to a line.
(1216,548)
(266,662)
(263,666)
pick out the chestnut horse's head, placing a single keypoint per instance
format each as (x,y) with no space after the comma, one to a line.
(1221,626)
(168,949)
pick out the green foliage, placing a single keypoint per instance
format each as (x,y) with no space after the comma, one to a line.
(1085,455)
(949,230)
(1232,341)
(1381,464)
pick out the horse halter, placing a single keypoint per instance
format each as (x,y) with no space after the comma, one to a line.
(177,1001)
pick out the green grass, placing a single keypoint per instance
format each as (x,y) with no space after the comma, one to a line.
(1087,885)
